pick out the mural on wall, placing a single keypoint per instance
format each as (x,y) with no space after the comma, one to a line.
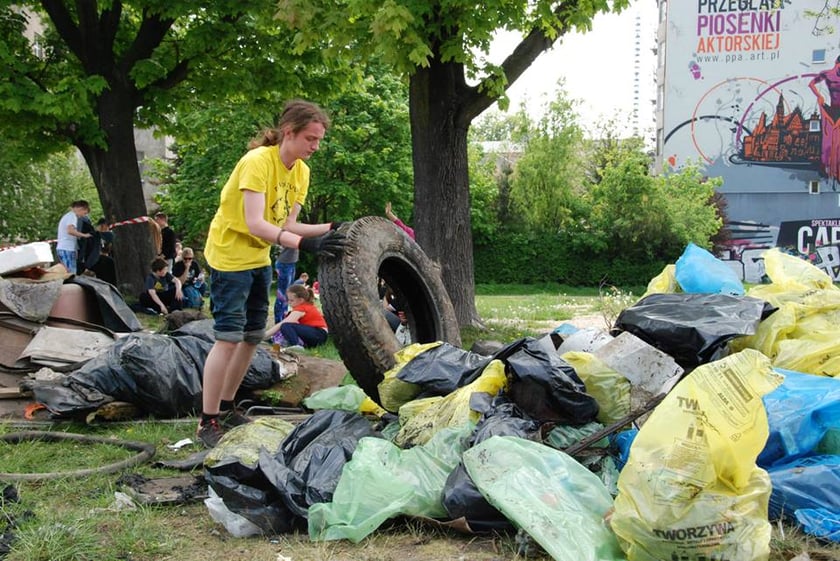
(816,240)
(752,92)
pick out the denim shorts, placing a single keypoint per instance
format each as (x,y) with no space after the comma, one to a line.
(68,259)
(240,304)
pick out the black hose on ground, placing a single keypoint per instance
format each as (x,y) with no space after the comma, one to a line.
(145,452)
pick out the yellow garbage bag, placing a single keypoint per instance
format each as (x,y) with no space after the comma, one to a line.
(791,270)
(393,392)
(804,333)
(452,410)
(609,388)
(691,488)
(664,283)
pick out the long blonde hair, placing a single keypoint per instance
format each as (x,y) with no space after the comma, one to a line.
(296,114)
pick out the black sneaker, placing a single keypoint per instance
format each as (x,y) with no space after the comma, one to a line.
(233,418)
(210,433)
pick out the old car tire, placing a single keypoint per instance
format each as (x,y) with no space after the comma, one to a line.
(375,249)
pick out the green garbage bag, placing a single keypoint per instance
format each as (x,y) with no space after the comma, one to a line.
(545,492)
(382,481)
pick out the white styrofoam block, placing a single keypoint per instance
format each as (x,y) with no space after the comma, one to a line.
(586,340)
(25,256)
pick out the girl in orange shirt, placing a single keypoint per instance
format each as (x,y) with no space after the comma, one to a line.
(304,325)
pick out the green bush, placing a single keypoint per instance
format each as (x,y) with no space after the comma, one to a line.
(531,258)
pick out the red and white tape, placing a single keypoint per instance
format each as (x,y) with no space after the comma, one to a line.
(138,220)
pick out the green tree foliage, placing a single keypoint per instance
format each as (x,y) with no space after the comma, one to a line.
(589,210)
(39,192)
(93,70)
(441,47)
(364,160)
(484,192)
(627,215)
(548,181)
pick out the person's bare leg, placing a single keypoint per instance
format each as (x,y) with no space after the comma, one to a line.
(215,374)
(237,367)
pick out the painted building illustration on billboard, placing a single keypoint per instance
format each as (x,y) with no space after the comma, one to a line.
(750,90)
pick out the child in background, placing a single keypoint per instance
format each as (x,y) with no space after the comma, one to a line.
(162,290)
(304,325)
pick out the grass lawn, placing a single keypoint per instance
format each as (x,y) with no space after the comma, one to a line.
(78,519)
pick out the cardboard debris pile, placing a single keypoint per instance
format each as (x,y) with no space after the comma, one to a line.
(74,344)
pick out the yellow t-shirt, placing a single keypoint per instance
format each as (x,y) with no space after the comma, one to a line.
(230,246)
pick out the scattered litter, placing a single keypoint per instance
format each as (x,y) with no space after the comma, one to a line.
(180,444)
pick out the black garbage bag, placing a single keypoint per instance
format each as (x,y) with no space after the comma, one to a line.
(461,498)
(100,380)
(159,374)
(263,372)
(308,465)
(547,387)
(203,329)
(168,379)
(443,369)
(693,328)
(246,492)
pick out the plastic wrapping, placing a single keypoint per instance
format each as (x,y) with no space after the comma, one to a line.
(803,412)
(560,503)
(663,283)
(691,489)
(382,481)
(805,483)
(160,374)
(792,271)
(693,328)
(451,411)
(308,465)
(393,392)
(698,271)
(546,387)
(461,498)
(609,388)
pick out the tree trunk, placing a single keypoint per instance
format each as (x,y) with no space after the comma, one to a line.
(116,175)
(441,192)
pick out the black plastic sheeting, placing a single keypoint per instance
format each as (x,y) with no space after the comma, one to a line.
(461,498)
(541,383)
(693,328)
(276,494)
(443,369)
(160,374)
(115,313)
(308,465)
(546,387)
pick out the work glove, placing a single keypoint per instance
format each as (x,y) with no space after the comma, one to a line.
(337,225)
(330,245)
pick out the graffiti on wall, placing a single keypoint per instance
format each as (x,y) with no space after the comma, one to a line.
(817,241)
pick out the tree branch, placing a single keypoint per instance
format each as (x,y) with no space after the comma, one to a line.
(153,30)
(525,53)
(64,26)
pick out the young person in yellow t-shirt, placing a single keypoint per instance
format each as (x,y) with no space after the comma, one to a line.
(259,206)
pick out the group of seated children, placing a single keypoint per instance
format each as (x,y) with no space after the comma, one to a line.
(184,287)
(166,291)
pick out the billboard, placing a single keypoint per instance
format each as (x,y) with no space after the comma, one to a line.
(752,93)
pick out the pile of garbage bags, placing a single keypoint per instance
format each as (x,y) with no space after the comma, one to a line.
(158,373)
(741,428)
